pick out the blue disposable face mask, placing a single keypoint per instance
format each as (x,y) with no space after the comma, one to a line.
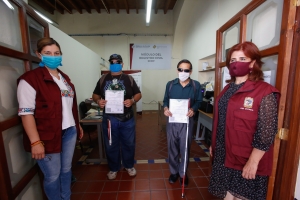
(52,62)
(115,67)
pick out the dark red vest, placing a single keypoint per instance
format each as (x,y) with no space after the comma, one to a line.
(241,124)
(48,109)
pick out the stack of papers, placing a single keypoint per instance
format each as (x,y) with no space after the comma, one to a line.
(91,117)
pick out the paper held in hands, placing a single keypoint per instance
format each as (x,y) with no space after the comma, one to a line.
(179,109)
(115,101)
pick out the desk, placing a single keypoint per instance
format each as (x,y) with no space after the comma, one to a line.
(97,122)
(206,120)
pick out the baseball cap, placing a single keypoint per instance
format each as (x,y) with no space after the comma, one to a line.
(115,56)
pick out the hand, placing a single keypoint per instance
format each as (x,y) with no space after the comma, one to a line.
(101,103)
(250,169)
(210,151)
(38,151)
(128,103)
(167,112)
(190,113)
(80,132)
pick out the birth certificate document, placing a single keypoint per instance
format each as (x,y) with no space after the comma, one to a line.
(115,101)
(179,109)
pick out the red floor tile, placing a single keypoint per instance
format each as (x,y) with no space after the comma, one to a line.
(142,195)
(193,193)
(108,196)
(142,175)
(111,186)
(151,181)
(79,187)
(156,174)
(76,196)
(155,166)
(95,186)
(157,184)
(175,194)
(126,186)
(125,196)
(201,181)
(196,172)
(159,195)
(142,167)
(175,185)
(142,185)
(91,196)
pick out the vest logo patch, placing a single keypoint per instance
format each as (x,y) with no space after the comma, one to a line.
(248,102)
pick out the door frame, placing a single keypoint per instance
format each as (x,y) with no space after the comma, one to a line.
(288,148)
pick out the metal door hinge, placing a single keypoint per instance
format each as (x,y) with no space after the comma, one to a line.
(283,133)
(296,2)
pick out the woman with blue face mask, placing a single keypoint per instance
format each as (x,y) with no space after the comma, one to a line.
(48,109)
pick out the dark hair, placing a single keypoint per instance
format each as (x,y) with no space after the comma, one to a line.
(185,61)
(251,51)
(41,43)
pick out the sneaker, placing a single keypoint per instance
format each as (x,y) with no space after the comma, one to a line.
(111,175)
(131,171)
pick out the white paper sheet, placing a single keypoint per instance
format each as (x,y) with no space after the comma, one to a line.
(179,109)
(115,99)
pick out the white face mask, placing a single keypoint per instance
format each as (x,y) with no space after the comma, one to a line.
(183,76)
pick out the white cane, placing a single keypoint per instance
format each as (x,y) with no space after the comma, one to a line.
(185,152)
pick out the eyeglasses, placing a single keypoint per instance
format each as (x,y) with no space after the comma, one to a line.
(183,70)
(116,62)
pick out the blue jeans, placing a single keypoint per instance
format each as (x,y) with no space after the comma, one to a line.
(56,167)
(123,140)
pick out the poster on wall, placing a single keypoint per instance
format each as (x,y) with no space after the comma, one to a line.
(137,76)
(150,56)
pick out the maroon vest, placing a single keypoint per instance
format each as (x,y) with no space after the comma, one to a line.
(48,109)
(241,124)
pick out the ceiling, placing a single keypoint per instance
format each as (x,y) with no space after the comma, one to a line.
(102,6)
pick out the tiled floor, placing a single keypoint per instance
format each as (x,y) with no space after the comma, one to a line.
(151,181)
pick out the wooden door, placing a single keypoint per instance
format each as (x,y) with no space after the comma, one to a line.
(20,27)
(276,50)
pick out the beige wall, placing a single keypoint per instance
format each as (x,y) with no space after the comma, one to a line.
(202,19)
(154,81)
(192,24)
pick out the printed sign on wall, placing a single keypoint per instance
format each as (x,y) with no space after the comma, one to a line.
(150,56)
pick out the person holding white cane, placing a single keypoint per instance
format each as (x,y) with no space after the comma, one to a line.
(179,136)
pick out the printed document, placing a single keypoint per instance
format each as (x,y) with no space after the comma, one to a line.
(179,109)
(115,101)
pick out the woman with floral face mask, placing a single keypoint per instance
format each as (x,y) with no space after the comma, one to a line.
(182,87)
(48,109)
(244,128)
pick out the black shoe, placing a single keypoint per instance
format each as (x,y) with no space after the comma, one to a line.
(186,181)
(173,178)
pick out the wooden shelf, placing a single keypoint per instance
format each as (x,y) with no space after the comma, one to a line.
(208,70)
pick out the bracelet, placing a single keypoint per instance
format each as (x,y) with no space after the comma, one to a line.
(37,142)
(133,100)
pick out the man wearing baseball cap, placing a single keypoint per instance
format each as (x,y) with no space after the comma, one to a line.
(121,145)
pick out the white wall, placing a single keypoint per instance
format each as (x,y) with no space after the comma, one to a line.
(81,64)
(154,81)
(202,19)
(193,24)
